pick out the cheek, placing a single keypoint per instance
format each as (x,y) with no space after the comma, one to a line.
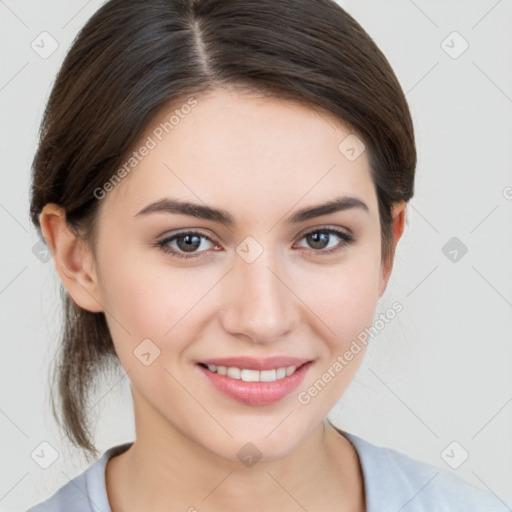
(148,299)
(343,296)
(167,304)
(346,309)
(345,301)
(352,304)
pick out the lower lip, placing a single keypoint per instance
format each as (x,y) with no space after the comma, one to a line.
(256,393)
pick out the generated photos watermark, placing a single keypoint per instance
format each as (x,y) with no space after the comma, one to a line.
(305,397)
(151,142)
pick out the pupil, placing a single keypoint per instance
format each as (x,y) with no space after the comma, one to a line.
(315,237)
(189,245)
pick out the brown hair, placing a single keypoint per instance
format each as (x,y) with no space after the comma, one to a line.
(134,57)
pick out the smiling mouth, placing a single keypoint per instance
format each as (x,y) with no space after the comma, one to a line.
(255,381)
(250,375)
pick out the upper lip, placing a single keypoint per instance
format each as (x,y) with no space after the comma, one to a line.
(252,363)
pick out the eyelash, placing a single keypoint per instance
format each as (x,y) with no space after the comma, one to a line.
(346,239)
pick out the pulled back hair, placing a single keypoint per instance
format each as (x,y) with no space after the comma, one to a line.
(135,57)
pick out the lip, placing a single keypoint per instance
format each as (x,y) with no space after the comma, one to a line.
(252,363)
(256,393)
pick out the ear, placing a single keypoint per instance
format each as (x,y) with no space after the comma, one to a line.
(73,260)
(397,228)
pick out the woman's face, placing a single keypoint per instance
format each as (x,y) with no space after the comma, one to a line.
(273,283)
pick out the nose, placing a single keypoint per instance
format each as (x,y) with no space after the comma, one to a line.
(258,304)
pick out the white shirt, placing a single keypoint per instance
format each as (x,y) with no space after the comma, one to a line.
(393,482)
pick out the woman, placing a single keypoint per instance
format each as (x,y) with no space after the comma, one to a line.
(223,186)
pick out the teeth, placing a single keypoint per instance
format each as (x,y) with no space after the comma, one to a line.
(252,375)
(290,370)
(281,373)
(249,375)
(268,375)
(233,372)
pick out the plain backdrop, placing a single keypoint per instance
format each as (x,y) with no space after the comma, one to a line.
(435,380)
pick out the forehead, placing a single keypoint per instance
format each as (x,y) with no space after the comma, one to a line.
(239,149)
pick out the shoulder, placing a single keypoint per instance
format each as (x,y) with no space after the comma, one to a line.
(84,493)
(395,481)
(72,496)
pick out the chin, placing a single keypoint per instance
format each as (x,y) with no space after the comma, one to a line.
(258,440)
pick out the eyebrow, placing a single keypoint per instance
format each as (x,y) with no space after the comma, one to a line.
(174,206)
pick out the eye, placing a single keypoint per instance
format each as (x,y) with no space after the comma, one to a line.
(320,239)
(186,241)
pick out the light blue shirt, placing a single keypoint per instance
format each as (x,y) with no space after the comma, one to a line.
(393,482)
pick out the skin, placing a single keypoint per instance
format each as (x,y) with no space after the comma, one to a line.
(271,158)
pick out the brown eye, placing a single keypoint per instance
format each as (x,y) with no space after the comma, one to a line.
(186,245)
(319,240)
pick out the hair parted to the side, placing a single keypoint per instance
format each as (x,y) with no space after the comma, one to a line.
(135,57)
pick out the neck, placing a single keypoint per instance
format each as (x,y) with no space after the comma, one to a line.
(165,470)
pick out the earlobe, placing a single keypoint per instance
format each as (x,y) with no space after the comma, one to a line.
(73,261)
(398,213)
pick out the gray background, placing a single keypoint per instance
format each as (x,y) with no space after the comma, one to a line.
(439,372)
